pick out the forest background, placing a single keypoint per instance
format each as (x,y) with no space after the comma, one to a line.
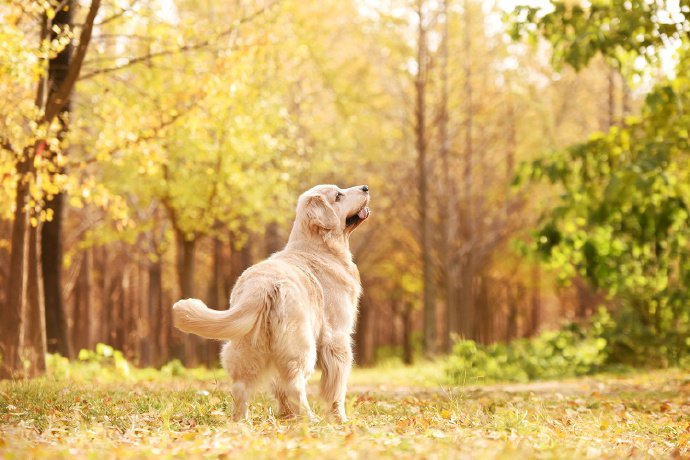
(528,166)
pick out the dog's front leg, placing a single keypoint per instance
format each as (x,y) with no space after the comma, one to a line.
(336,362)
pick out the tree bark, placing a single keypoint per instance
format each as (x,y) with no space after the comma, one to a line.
(449,197)
(467,307)
(611,100)
(186,249)
(185,265)
(240,259)
(408,355)
(83,318)
(149,352)
(511,321)
(51,236)
(218,297)
(12,326)
(364,353)
(34,314)
(51,262)
(625,109)
(535,317)
(273,240)
(105,326)
(422,187)
(12,333)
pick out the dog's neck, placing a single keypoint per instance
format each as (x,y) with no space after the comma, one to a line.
(334,242)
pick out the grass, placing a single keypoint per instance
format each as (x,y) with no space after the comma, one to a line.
(87,410)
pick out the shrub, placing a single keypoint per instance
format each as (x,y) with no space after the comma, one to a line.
(568,352)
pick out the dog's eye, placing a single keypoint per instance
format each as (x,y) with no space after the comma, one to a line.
(339,196)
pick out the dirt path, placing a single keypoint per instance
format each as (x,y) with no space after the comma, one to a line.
(571,387)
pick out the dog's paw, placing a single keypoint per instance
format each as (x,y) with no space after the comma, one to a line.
(339,418)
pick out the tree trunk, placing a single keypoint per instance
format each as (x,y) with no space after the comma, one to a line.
(611,100)
(130,312)
(364,351)
(449,201)
(121,305)
(105,325)
(51,262)
(485,320)
(408,355)
(511,322)
(218,297)
(34,314)
(625,109)
(12,326)
(186,266)
(467,307)
(51,237)
(12,332)
(240,259)
(83,304)
(535,317)
(467,316)
(273,240)
(149,351)
(186,249)
(423,205)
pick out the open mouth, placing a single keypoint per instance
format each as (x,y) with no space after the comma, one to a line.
(357,218)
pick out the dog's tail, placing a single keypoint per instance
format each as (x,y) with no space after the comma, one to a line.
(192,315)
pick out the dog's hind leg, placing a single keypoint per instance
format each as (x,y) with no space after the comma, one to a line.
(280,393)
(296,392)
(335,357)
(245,365)
(292,379)
(240,393)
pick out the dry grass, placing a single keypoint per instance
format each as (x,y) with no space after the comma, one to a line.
(97,412)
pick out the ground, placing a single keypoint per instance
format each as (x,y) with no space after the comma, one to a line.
(86,411)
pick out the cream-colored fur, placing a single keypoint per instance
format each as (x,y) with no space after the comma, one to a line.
(293,311)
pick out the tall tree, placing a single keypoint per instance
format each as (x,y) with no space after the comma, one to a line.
(449,202)
(49,105)
(51,232)
(423,206)
(467,306)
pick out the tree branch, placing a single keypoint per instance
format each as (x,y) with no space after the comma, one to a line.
(182,49)
(118,14)
(59,98)
(5,144)
(154,133)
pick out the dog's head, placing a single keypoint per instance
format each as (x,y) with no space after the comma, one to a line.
(330,211)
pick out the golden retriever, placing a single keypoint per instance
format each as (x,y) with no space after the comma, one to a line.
(293,311)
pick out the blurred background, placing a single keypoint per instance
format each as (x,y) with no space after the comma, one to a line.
(528,165)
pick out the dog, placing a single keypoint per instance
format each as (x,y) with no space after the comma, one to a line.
(295,310)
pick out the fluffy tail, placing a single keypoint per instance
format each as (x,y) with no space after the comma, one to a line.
(192,315)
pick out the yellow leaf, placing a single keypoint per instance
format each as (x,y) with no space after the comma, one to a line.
(683,440)
(445,414)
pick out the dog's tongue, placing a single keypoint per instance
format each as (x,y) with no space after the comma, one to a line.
(364,213)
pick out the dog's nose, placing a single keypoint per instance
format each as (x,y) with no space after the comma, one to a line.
(365,188)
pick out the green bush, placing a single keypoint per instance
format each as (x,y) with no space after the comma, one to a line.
(173,368)
(105,355)
(568,352)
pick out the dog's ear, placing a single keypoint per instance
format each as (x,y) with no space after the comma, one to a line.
(319,213)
